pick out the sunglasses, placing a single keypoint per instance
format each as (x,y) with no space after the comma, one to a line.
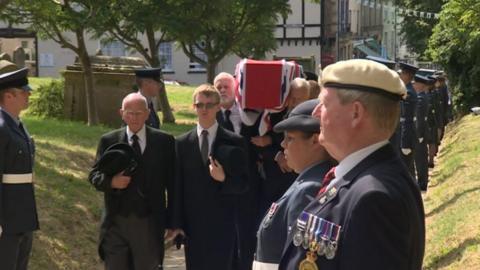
(205,105)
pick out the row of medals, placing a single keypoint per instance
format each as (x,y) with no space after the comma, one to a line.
(318,236)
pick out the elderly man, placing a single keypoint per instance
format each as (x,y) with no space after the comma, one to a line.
(310,160)
(135,203)
(18,213)
(369,212)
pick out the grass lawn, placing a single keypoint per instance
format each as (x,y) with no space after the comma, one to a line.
(452,204)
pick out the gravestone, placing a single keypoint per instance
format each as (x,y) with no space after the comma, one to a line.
(113,78)
(19,57)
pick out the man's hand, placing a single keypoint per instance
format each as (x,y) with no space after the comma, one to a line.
(261,141)
(406,151)
(1,230)
(120,181)
(171,234)
(420,140)
(282,162)
(216,170)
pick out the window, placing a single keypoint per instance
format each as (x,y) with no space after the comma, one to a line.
(113,48)
(194,66)
(165,55)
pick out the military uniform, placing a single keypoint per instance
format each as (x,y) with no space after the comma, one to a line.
(18,213)
(421,149)
(407,131)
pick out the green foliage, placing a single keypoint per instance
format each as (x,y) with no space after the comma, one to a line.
(417,31)
(455,44)
(47,100)
(221,27)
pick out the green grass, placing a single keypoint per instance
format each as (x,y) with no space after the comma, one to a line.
(452,204)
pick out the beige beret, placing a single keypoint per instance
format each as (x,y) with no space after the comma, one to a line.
(7,66)
(364,75)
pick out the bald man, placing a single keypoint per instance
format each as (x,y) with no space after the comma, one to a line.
(136,209)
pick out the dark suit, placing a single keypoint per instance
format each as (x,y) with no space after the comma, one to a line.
(18,213)
(145,196)
(380,211)
(206,209)
(275,226)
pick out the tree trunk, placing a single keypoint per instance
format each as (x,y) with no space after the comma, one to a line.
(154,61)
(211,66)
(88,78)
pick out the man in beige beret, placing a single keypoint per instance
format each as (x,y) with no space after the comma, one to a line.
(369,212)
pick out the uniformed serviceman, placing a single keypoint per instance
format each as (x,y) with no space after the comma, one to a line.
(421,150)
(433,124)
(369,212)
(310,160)
(18,213)
(407,136)
(149,85)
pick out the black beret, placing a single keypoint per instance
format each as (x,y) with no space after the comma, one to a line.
(310,76)
(421,79)
(389,63)
(150,73)
(408,67)
(16,79)
(232,158)
(118,157)
(301,119)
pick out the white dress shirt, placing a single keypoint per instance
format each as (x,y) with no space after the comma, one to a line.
(212,133)
(142,137)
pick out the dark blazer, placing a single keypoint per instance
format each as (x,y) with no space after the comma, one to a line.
(275,226)
(205,208)
(18,211)
(381,213)
(159,166)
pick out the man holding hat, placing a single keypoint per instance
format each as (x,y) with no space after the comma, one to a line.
(369,212)
(406,130)
(18,213)
(135,171)
(310,160)
(149,85)
(212,174)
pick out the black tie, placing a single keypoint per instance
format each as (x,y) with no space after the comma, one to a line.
(204,146)
(228,122)
(136,145)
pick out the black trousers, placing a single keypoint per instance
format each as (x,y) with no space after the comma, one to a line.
(15,250)
(133,243)
(421,164)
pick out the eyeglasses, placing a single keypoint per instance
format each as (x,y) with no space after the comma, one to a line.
(205,105)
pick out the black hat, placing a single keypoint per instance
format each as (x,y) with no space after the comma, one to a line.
(149,73)
(301,119)
(408,67)
(232,158)
(118,157)
(389,63)
(16,79)
(421,79)
(432,79)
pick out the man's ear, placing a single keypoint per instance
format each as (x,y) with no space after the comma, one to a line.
(358,112)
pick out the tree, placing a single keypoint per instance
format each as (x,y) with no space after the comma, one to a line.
(416,31)
(221,27)
(128,21)
(455,44)
(52,19)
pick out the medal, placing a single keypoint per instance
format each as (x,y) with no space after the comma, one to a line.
(306,235)
(332,244)
(298,234)
(309,262)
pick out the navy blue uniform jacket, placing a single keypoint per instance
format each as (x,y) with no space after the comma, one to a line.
(381,213)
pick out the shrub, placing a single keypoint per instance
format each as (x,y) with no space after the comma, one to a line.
(47,100)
